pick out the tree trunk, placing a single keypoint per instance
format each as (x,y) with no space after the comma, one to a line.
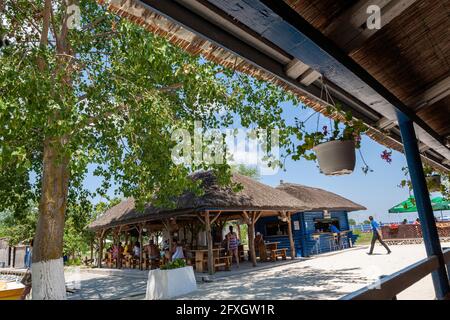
(291,237)
(47,267)
(251,241)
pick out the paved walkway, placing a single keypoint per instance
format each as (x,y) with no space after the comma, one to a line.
(323,277)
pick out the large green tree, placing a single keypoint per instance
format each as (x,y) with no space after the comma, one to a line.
(108,93)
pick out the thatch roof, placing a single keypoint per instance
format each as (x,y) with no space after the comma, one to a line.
(254,196)
(319,199)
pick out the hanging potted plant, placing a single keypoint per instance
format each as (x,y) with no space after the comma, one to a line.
(334,146)
(432,178)
(335,151)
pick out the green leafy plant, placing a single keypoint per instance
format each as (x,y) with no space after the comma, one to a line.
(443,187)
(348,128)
(177,263)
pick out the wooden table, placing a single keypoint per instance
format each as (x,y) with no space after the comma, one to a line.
(274,252)
(11,290)
(201,258)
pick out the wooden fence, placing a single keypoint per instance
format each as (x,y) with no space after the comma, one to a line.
(12,257)
(412,231)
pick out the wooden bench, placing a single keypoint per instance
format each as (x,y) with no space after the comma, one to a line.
(276,253)
(224,262)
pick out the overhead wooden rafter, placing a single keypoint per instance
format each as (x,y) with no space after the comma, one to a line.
(349,31)
(223,24)
(431,95)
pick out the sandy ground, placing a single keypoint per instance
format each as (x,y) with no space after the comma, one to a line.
(322,277)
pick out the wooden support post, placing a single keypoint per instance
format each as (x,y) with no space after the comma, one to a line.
(141,246)
(291,238)
(238,226)
(166,224)
(100,249)
(251,242)
(210,243)
(250,221)
(92,250)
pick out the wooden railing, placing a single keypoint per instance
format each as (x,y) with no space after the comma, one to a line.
(388,287)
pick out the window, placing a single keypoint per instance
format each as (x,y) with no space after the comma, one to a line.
(276,228)
(323,225)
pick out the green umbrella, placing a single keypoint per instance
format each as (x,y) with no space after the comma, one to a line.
(439,203)
(409,205)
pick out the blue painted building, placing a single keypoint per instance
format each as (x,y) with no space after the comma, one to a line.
(311,230)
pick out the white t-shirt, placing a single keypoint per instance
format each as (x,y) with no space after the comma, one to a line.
(178,254)
(136,250)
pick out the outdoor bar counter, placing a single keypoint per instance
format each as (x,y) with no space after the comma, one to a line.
(328,241)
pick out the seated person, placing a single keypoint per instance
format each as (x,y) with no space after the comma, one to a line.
(417,221)
(137,249)
(260,247)
(177,250)
(405,221)
(152,250)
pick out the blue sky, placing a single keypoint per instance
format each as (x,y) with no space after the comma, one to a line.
(377,191)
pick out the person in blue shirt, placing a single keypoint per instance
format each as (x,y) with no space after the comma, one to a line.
(334,229)
(28,255)
(376,236)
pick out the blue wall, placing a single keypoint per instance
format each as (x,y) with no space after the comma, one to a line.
(303,241)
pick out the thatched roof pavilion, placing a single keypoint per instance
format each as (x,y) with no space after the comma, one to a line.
(319,199)
(255,196)
(216,204)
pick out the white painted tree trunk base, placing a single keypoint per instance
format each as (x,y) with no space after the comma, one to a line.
(48,280)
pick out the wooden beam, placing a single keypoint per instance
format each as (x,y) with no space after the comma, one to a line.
(309,77)
(100,248)
(246,217)
(295,68)
(251,243)
(385,123)
(141,246)
(291,237)
(432,95)
(257,216)
(200,218)
(349,30)
(423,147)
(251,238)
(215,218)
(210,243)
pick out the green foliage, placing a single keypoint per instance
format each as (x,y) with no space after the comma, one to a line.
(177,263)
(352,222)
(112,93)
(18,227)
(363,238)
(74,262)
(248,171)
(350,129)
(443,187)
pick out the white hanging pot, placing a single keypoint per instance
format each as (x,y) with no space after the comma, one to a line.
(434,182)
(336,157)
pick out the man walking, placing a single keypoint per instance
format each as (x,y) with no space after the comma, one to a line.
(376,236)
